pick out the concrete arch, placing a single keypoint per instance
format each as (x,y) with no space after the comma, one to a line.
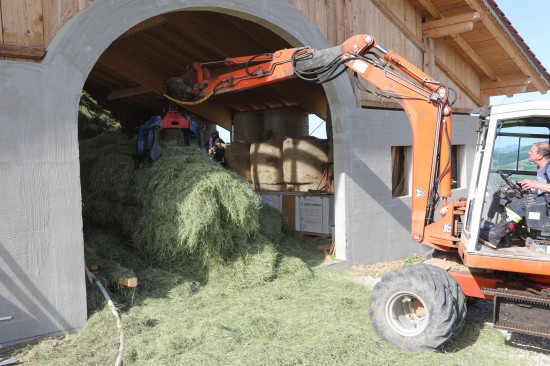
(39,148)
(84,38)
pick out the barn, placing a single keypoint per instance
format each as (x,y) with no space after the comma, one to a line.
(122,51)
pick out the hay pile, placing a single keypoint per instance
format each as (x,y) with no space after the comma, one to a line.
(92,119)
(182,208)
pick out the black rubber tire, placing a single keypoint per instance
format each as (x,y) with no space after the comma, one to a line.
(442,300)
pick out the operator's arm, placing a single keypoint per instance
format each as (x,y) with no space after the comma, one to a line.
(533,184)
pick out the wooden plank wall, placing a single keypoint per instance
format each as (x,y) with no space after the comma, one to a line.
(28,26)
(396,24)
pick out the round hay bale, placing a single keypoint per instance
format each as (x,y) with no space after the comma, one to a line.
(249,126)
(304,161)
(237,158)
(282,123)
(266,166)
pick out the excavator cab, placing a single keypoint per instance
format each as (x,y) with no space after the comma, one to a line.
(505,138)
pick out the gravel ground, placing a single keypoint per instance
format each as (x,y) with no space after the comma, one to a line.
(534,350)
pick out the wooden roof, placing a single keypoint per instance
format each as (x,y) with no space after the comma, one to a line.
(490,43)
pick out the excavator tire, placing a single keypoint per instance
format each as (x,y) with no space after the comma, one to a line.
(417,308)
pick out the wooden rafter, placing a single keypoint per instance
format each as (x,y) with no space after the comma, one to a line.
(309,97)
(149,76)
(128,92)
(458,82)
(461,42)
(508,45)
(26,52)
(431,9)
(474,57)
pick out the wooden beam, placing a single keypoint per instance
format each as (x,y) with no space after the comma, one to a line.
(508,45)
(411,36)
(26,52)
(505,82)
(151,77)
(431,9)
(458,82)
(128,282)
(487,70)
(448,21)
(448,30)
(128,92)
(505,86)
(310,97)
(509,91)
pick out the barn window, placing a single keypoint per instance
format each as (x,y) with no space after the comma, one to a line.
(401,160)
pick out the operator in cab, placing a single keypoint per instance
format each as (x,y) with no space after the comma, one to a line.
(499,234)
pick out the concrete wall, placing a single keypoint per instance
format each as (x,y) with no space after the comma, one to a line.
(379,226)
(42,283)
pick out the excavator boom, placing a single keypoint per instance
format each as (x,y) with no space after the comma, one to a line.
(424,100)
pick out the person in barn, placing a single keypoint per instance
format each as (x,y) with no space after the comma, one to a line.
(213,140)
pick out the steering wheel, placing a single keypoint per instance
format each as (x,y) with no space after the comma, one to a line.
(512,185)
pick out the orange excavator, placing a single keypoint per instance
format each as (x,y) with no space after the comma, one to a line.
(420,307)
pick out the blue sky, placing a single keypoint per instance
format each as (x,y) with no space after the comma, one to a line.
(529,18)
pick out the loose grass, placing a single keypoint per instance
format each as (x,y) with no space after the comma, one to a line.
(318,320)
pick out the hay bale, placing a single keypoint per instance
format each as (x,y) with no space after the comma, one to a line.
(266,166)
(237,158)
(282,123)
(304,163)
(249,126)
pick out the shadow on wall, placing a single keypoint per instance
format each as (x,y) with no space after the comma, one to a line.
(32,305)
(380,192)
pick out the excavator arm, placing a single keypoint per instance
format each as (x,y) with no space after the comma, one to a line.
(425,101)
